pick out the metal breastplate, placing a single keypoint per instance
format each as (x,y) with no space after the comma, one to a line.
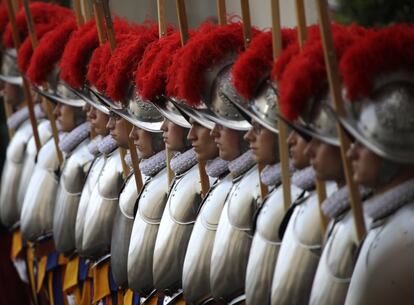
(37,212)
(265,247)
(151,205)
(93,176)
(121,233)
(336,264)
(45,135)
(233,238)
(175,229)
(69,192)
(102,207)
(299,254)
(384,272)
(196,271)
(11,175)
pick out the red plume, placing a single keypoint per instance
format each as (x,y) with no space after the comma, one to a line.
(49,52)
(74,61)
(256,63)
(201,53)
(124,62)
(42,13)
(305,77)
(389,49)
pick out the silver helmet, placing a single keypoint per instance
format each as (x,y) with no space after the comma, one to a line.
(141,114)
(319,120)
(263,108)
(168,110)
(384,121)
(9,70)
(58,92)
(87,95)
(195,113)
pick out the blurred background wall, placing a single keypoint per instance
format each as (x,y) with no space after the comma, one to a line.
(199,10)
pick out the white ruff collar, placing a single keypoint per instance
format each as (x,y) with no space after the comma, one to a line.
(17,118)
(107,145)
(304,178)
(385,204)
(93,145)
(217,167)
(183,161)
(242,164)
(75,137)
(339,201)
(153,165)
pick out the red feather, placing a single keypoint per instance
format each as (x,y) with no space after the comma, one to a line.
(124,62)
(74,61)
(49,52)
(201,53)
(256,62)
(389,49)
(305,77)
(42,13)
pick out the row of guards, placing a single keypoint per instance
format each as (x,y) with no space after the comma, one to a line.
(224,164)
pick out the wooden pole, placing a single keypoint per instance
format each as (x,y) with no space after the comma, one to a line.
(87,11)
(162,31)
(283,147)
(132,148)
(302,35)
(221,12)
(247,33)
(335,87)
(183,25)
(98,12)
(26,86)
(78,12)
(8,111)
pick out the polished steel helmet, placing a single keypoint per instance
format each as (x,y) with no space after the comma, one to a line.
(195,113)
(86,95)
(168,110)
(57,92)
(318,120)
(263,107)
(219,96)
(384,121)
(9,70)
(141,114)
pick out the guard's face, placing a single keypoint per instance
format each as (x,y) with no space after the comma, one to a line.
(118,129)
(365,165)
(297,147)
(263,143)
(99,120)
(87,109)
(143,141)
(65,115)
(173,135)
(12,94)
(228,142)
(325,159)
(202,141)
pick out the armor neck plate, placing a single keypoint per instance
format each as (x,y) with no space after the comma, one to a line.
(101,210)
(150,208)
(175,228)
(69,193)
(232,244)
(196,270)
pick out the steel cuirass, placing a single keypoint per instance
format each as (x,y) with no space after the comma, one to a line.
(29,163)
(196,271)
(299,254)
(69,192)
(175,229)
(101,210)
(384,271)
(91,180)
(151,204)
(337,263)
(11,175)
(121,233)
(233,238)
(265,246)
(37,212)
